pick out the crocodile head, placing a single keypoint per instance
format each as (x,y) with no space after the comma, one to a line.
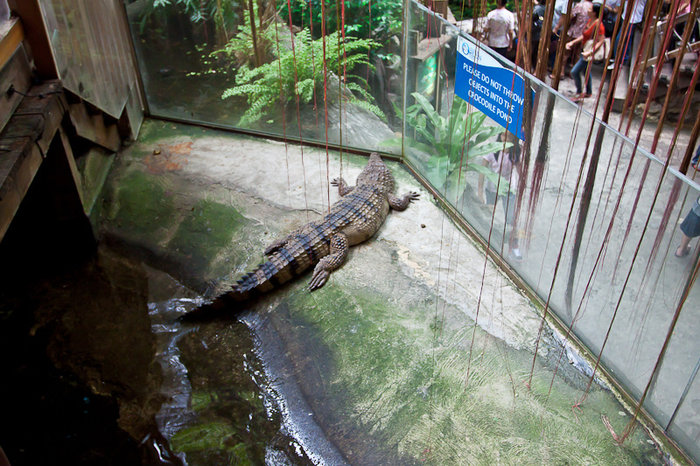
(377,174)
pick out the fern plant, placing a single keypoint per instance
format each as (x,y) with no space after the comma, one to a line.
(261,85)
(453,144)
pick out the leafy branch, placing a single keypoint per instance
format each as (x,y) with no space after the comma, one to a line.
(452,144)
(261,85)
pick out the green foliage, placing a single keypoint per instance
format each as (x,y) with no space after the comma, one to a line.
(378,19)
(239,49)
(261,85)
(467,10)
(455,143)
(197,10)
(223,13)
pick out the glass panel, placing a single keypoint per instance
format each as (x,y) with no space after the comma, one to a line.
(92,51)
(597,247)
(199,63)
(587,219)
(686,425)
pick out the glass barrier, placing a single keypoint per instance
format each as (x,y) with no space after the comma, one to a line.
(589,222)
(684,425)
(90,44)
(207,62)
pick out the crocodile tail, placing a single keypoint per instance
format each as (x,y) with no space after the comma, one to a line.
(282,267)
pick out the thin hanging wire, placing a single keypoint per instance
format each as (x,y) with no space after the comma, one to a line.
(488,241)
(296,95)
(325,92)
(284,114)
(325,202)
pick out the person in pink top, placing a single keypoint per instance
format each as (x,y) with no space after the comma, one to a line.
(596,31)
(579,21)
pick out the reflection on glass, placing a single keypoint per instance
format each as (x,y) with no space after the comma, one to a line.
(596,243)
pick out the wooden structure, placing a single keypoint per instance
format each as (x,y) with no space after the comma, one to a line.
(59,131)
(688,57)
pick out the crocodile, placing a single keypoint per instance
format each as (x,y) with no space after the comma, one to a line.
(354,218)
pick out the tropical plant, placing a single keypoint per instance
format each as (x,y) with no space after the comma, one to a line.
(452,144)
(300,72)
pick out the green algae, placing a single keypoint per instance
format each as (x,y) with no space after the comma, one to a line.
(205,230)
(231,425)
(221,438)
(201,437)
(200,400)
(153,131)
(143,205)
(397,375)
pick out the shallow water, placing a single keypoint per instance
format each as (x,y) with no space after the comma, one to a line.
(96,371)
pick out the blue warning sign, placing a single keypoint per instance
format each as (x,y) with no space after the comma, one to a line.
(484,83)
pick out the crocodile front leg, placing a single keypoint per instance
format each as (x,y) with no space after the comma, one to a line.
(343,187)
(400,203)
(339,251)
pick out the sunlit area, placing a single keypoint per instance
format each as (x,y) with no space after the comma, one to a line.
(364,232)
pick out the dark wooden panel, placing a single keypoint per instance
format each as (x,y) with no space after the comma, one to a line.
(15,74)
(25,141)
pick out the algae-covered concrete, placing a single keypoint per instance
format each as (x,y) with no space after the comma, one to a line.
(383,365)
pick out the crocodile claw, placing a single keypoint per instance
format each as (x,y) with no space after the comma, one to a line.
(319,279)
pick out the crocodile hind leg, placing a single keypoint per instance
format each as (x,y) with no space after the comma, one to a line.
(400,203)
(276,245)
(281,242)
(339,251)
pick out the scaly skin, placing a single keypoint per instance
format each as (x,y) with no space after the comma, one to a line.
(354,218)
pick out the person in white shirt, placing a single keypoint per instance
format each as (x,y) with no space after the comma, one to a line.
(500,29)
(635,19)
(561,7)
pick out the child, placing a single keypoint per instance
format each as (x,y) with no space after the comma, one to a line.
(507,164)
(690,228)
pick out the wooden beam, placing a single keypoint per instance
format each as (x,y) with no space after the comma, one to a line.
(35,33)
(24,143)
(72,166)
(691,48)
(16,74)
(11,35)
(92,126)
(17,175)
